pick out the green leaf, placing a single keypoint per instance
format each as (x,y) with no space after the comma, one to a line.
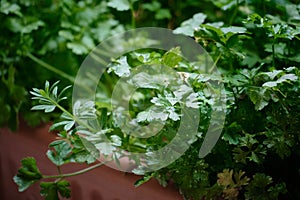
(233,29)
(287,77)
(56,142)
(257,187)
(192,101)
(232,133)
(120,67)
(27,174)
(143,180)
(49,97)
(160,13)
(279,188)
(172,114)
(284,78)
(224,4)
(51,189)
(116,140)
(120,5)
(84,156)
(90,147)
(60,154)
(270,84)
(211,32)
(154,113)
(282,144)
(146,80)
(163,14)
(259,97)
(54,158)
(172,57)
(272,74)
(67,125)
(77,48)
(106,148)
(47,108)
(63,188)
(32,26)
(66,34)
(16,25)
(54,91)
(8,8)
(153,6)
(189,26)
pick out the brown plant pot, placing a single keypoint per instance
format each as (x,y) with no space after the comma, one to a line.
(102,183)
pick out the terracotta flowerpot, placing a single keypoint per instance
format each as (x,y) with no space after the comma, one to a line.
(102,183)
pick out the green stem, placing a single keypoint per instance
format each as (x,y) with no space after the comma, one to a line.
(71,115)
(276,89)
(74,173)
(215,63)
(132,16)
(59,170)
(234,12)
(273,53)
(55,70)
(51,68)
(211,69)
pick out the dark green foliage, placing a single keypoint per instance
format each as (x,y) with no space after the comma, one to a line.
(52,190)
(27,174)
(259,188)
(262,77)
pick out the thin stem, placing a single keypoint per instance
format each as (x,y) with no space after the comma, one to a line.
(211,69)
(132,16)
(55,70)
(215,63)
(59,170)
(70,114)
(234,12)
(51,68)
(276,89)
(273,52)
(74,173)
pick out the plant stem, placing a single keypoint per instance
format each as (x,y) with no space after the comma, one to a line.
(132,16)
(59,170)
(234,12)
(55,70)
(53,102)
(215,63)
(273,53)
(51,68)
(74,173)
